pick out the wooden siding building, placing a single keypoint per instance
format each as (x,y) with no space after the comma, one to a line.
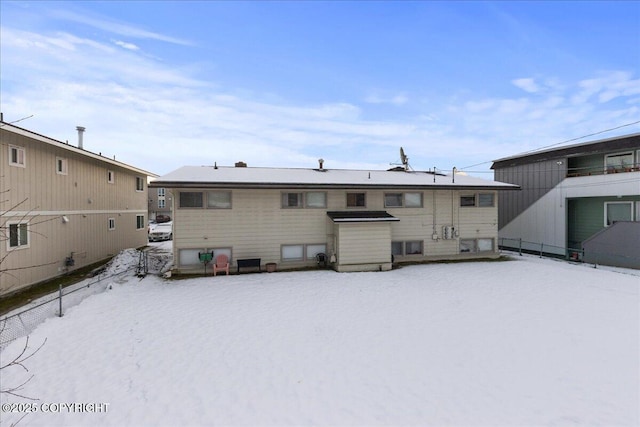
(361,220)
(63,208)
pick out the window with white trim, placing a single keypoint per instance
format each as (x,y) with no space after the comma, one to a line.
(403,200)
(315,249)
(292,252)
(139,184)
(111,223)
(17,156)
(219,199)
(356,200)
(316,199)
(161,192)
(18,235)
(617,211)
(61,166)
(409,247)
(292,200)
(139,222)
(111,177)
(161,203)
(191,199)
(480,200)
(476,245)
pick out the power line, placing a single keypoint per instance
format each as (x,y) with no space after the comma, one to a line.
(558,143)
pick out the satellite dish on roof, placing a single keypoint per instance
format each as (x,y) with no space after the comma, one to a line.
(404,159)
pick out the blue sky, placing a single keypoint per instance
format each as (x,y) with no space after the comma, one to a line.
(166,84)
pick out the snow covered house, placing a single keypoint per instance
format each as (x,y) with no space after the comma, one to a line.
(63,207)
(571,195)
(361,220)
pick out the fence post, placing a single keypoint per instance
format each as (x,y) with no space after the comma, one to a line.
(60,298)
(541,246)
(520,246)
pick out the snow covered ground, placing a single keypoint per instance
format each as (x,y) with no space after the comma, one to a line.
(519,343)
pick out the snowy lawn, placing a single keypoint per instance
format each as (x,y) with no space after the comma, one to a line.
(524,342)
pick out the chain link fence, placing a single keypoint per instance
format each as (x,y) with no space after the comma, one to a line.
(130,262)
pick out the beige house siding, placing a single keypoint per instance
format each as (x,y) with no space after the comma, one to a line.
(257,226)
(363,246)
(41,196)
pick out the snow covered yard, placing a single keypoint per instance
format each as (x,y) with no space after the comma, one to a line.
(519,343)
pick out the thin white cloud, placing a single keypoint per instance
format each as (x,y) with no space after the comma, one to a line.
(397,99)
(125,45)
(526,84)
(119,28)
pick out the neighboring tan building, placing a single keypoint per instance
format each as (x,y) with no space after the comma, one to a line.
(159,203)
(571,194)
(361,220)
(62,207)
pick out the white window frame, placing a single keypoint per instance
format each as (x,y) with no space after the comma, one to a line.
(61,166)
(285,200)
(111,177)
(290,248)
(20,245)
(140,222)
(606,208)
(111,224)
(225,205)
(21,156)
(161,192)
(139,184)
(402,244)
(312,249)
(307,199)
(364,205)
(475,245)
(161,203)
(191,192)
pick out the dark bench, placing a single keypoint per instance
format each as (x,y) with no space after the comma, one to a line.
(249,262)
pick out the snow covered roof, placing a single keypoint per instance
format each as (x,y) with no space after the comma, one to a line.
(260,177)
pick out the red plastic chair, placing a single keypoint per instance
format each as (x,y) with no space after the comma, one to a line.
(221,264)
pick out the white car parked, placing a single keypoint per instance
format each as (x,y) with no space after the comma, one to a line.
(161,232)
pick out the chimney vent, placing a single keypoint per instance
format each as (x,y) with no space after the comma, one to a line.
(241,165)
(80,130)
(321,164)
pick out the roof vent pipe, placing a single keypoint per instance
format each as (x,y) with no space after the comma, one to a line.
(320,163)
(80,130)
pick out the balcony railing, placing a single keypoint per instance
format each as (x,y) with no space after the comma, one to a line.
(573,172)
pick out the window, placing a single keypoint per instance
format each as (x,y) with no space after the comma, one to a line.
(191,199)
(219,199)
(292,200)
(617,211)
(292,252)
(413,200)
(466,201)
(161,203)
(161,192)
(139,184)
(413,247)
(356,200)
(485,200)
(393,200)
(111,177)
(407,200)
(316,200)
(61,166)
(139,222)
(313,250)
(482,200)
(111,223)
(476,245)
(18,235)
(618,162)
(17,156)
